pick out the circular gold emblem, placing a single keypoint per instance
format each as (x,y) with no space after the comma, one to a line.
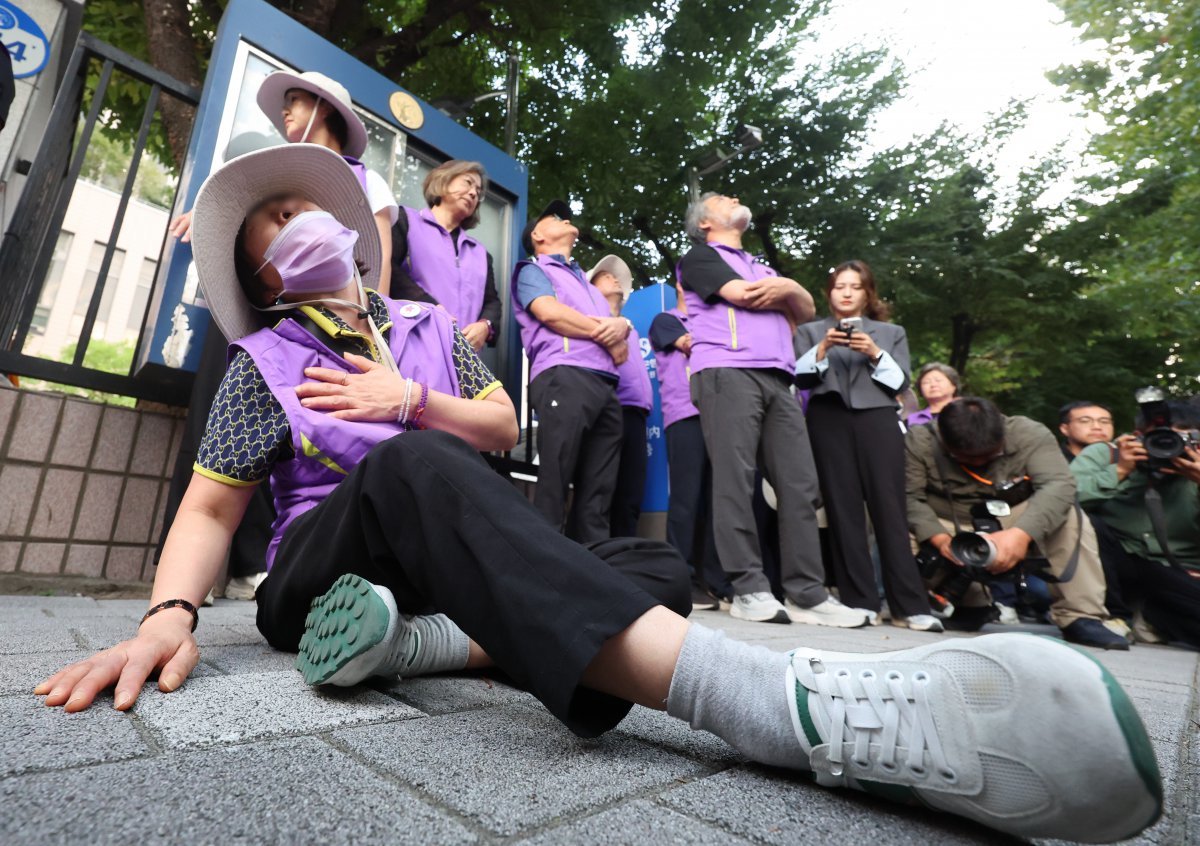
(407,110)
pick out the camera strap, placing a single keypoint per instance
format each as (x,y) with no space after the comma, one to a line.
(939,458)
(1158,521)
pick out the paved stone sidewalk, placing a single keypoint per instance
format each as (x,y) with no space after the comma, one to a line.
(245,752)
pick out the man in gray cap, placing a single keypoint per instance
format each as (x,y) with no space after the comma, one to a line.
(575,346)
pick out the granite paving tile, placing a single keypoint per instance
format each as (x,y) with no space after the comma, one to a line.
(634,822)
(35,426)
(547,772)
(85,559)
(76,433)
(10,554)
(153,440)
(449,694)
(101,493)
(658,728)
(238,660)
(41,738)
(102,632)
(43,558)
(8,403)
(136,514)
(235,709)
(17,484)
(55,511)
(115,439)
(295,791)
(774,806)
(20,635)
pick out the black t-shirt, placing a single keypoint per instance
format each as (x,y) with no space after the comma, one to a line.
(703,272)
(665,330)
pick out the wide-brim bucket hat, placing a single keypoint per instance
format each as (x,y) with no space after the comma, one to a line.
(618,268)
(311,171)
(275,87)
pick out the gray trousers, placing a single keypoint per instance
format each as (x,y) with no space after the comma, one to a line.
(750,421)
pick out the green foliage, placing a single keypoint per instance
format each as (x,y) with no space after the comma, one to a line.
(102,355)
(1139,234)
(107,163)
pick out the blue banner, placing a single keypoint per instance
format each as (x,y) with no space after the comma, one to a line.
(641,308)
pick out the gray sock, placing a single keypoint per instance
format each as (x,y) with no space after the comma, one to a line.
(440,647)
(737,692)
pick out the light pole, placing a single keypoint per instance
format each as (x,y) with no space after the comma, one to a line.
(458,109)
(748,138)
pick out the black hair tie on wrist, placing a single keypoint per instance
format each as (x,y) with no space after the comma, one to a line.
(174,603)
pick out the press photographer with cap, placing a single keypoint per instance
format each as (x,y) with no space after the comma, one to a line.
(974,457)
(575,346)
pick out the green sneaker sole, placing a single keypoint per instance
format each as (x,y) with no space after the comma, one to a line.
(343,623)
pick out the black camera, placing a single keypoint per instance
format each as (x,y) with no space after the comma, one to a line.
(1163,444)
(949,582)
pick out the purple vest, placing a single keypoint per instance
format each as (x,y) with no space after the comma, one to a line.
(673,372)
(326,448)
(545,347)
(725,335)
(633,381)
(455,279)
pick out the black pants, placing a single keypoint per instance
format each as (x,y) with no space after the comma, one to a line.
(1111,555)
(860,458)
(689,516)
(579,438)
(424,515)
(1170,599)
(631,474)
(248,549)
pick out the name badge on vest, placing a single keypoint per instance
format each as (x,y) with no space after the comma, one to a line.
(410,310)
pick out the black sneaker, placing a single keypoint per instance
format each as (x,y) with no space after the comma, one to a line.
(701,601)
(1087,632)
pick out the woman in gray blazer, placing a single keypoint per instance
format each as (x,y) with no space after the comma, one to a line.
(854,365)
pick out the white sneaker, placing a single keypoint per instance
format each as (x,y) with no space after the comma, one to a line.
(919,623)
(831,612)
(1024,734)
(759,607)
(1008,615)
(244,587)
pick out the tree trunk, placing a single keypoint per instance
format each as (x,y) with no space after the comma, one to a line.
(173,51)
(317,15)
(963,331)
(762,227)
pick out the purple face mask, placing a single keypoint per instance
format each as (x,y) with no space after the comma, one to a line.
(313,253)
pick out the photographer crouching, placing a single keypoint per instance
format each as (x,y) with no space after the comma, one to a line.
(990,497)
(1147,490)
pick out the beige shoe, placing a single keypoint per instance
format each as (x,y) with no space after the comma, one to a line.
(243,587)
(1143,632)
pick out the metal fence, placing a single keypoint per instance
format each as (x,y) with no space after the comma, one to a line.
(28,245)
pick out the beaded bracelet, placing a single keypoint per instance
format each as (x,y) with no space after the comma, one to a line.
(174,603)
(416,421)
(402,417)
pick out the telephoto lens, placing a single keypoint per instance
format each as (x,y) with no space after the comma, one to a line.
(974,549)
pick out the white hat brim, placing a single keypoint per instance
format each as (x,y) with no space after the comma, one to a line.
(618,268)
(314,172)
(274,89)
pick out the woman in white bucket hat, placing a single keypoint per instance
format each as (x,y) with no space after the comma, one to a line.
(308,107)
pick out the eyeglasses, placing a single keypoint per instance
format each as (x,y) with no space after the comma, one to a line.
(1088,421)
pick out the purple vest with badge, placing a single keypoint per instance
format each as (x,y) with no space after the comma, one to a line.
(725,335)
(455,278)
(545,347)
(633,382)
(674,370)
(325,448)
